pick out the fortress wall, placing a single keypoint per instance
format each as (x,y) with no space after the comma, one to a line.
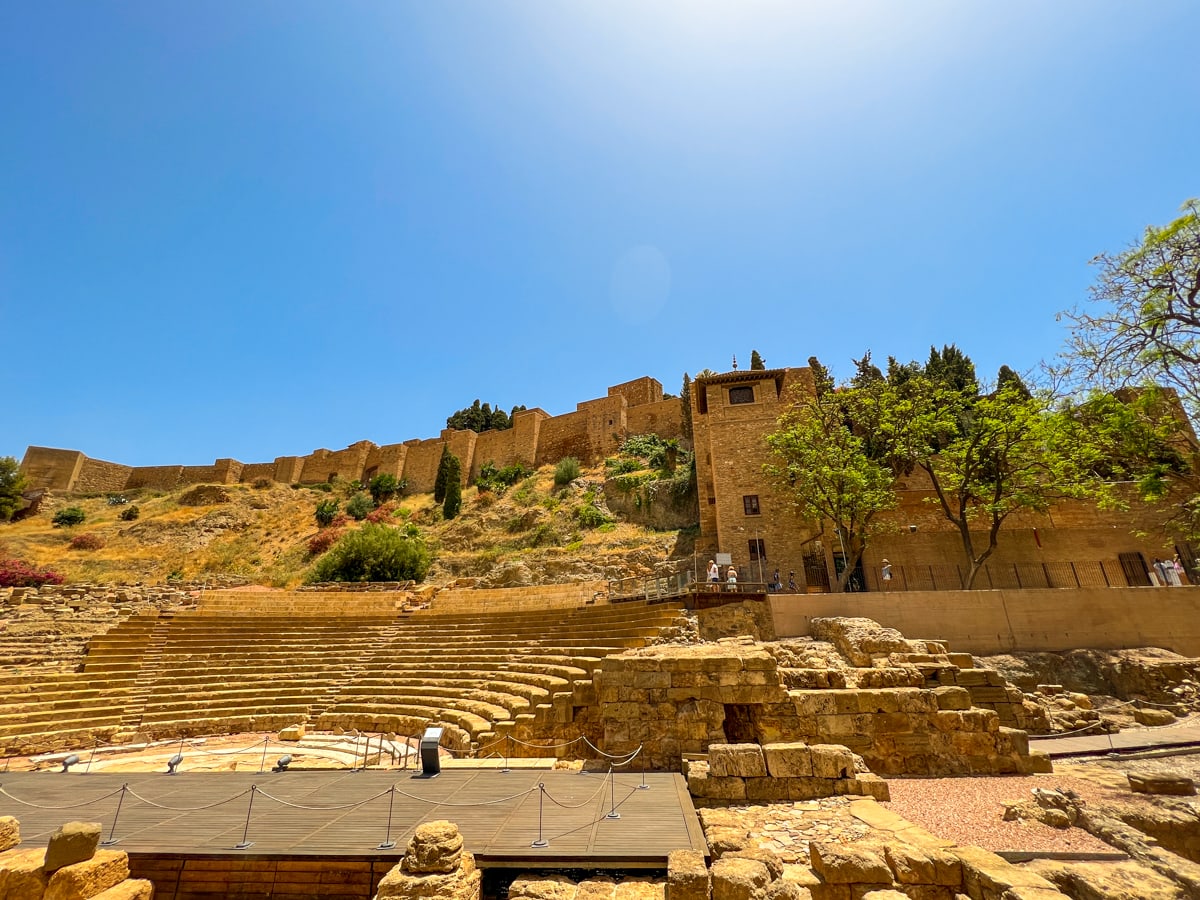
(385,460)
(639,391)
(48,467)
(288,469)
(527,431)
(97,475)
(664,418)
(592,432)
(498,447)
(254,471)
(159,477)
(339,465)
(462,445)
(421,464)
(992,622)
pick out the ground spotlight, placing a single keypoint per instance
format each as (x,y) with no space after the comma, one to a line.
(430,764)
(70,761)
(282,763)
(173,763)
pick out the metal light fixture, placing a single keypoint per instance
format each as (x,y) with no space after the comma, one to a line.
(173,763)
(70,761)
(282,763)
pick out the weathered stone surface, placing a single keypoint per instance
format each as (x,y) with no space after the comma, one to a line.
(462,884)
(738,760)
(638,889)
(22,876)
(72,843)
(923,865)
(10,833)
(1149,716)
(543,887)
(600,888)
(849,864)
(736,878)
(292,732)
(788,760)
(724,839)
(1110,880)
(1177,785)
(769,859)
(787,890)
(687,876)
(130,889)
(435,848)
(88,878)
(832,761)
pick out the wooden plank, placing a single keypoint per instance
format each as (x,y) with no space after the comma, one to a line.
(345,814)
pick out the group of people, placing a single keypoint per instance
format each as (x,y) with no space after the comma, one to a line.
(1169,572)
(731,577)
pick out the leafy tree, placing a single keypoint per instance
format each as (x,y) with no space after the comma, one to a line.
(68,517)
(481,417)
(439,482)
(986,456)
(12,482)
(326,512)
(359,506)
(685,404)
(757,363)
(374,553)
(129,513)
(453,499)
(1143,322)
(386,486)
(1141,331)
(827,467)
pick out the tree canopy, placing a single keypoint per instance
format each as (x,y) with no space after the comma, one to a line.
(482,417)
(12,482)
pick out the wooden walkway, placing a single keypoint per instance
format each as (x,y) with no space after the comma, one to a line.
(346,814)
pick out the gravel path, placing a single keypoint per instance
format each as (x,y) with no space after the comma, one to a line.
(969,810)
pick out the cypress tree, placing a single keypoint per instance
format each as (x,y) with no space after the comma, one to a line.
(453,502)
(757,363)
(685,402)
(439,484)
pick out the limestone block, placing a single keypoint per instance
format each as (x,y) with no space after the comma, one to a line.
(464,883)
(886,893)
(736,878)
(542,887)
(130,889)
(725,788)
(787,890)
(831,761)
(88,878)
(724,839)
(790,760)
(1178,785)
(923,865)
(871,785)
(1038,762)
(22,876)
(10,833)
(687,876)
(952,698)
(768,858)
(849,863)
(740,760)
(435,848)
(1149,716)
(638,889)
(987,875)
(809,788)
(292,733)
(600,888)
(766,789)
(73,842)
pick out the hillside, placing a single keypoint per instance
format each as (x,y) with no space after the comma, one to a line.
(530,533)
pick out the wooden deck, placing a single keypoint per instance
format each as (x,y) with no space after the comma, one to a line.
(345,814)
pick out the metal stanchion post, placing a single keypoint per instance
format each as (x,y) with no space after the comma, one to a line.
(388,843)
(507,754)
(541,841)
(612,784)
(111,840)
(88,767)
(263,762)
(643,786)
(246,831)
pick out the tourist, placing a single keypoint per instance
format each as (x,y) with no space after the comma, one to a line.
(792,582)
(887,575)
(731,578)
(1180,572)
(776,584)
(1157,575)
(714,573)
(1172,576)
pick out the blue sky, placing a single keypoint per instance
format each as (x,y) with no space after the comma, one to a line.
(256,229)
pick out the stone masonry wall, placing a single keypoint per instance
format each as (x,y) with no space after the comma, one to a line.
(96,475)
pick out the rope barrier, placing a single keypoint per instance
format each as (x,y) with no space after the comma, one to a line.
(577,805)
(342,806)
(157,805)
(465,805)
(5,792)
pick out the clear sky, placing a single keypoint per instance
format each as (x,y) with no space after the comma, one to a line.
(257,229)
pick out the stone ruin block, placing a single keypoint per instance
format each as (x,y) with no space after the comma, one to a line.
(687,876)
(788,760)
(852,863)
(737,760)
(10,833)
(832,761)
(1177,785)
(738,878)
(72,843)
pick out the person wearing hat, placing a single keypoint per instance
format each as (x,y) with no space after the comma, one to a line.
(887,575)
(714,572)
(792,582)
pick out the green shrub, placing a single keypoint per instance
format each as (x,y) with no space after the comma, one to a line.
(499,480)
(384,487)
(591,516)
(323,540)
(263,482)
(359,506)
(374,553)
(566,471)
(129,513)
(622,465)
(326,512)
(68,517)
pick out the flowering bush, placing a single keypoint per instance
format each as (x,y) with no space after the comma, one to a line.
(87,541)
(381,514)
(323,540)
(18,573)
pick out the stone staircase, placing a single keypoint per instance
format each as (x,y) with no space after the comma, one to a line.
(241,663)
